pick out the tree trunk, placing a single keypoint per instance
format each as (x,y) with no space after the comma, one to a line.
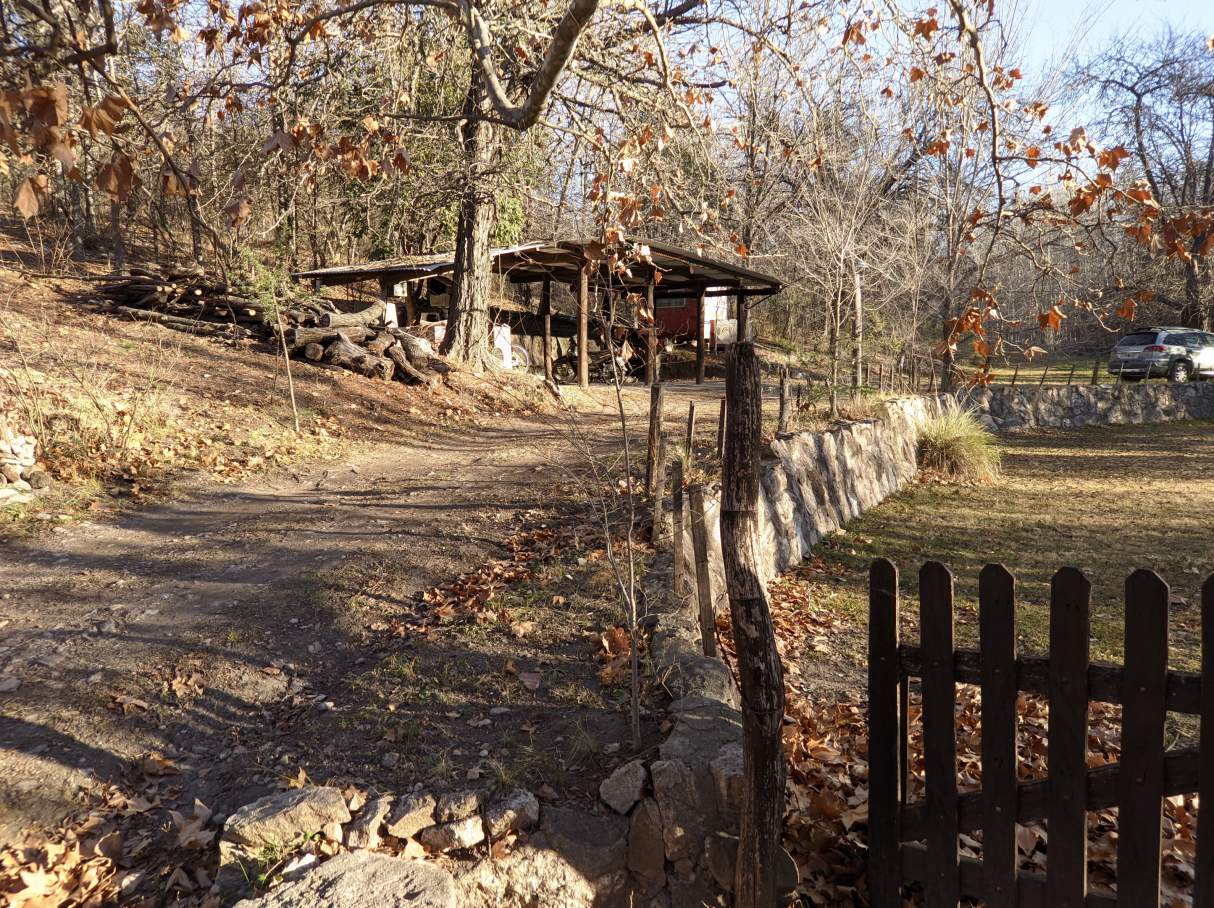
(469,327)
(857,332)
(759,670)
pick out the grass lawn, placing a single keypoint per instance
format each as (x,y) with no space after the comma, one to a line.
(1107,500)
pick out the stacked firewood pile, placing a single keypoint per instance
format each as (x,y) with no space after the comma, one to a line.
(313,328)
(21,476)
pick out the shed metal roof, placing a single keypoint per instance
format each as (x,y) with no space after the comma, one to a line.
(677,269)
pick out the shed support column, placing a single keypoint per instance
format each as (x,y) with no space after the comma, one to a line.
(411,304)
(651,352)
(546,312)
(385,292)
(700,338)
(583,327)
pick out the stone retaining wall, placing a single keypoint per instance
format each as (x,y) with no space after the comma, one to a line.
(682,833)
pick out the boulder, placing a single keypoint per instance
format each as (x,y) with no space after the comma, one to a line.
(646,848)
(457,805)
(454,836)
(412,814)
(686,815)
(729,781)
(363,880)
(514,812)
(283,818)
(364,831)
(527,877)
(625,786)
(595,845)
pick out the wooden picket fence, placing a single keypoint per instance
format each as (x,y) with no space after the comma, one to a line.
(919,841)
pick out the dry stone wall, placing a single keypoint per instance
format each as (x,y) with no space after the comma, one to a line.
(682,828)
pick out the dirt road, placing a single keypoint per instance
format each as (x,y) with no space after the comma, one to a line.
(101,624)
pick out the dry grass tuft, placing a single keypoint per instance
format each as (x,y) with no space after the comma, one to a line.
(955,445)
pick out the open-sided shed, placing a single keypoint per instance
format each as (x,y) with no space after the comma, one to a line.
(663,272)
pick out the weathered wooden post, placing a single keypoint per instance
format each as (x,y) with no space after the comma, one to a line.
(759,669)
(656,401)
(546,311)
(700,338)
(658,491)
(1096,371)
(676,517)
(689,445)
(782,419)
(583,327)
(721,430)
(699,547)
(880,376)
(1015,372)
(931,385)
(1044,373)
(1071,378)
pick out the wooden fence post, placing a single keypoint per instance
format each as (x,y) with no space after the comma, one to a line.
(721,430)
(676,516)
(691,433)
(782,419)
(546,308)
(1015,372)
(884,734)
(656,402)
(939,735)
(758,663)
(699,545)
(997,643)
(659,493)
(1144,714)
(1044,373)
(1070,633)
(1071,378)
(1096,371)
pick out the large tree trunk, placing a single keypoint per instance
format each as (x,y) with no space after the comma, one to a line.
(759,669)
(469,328)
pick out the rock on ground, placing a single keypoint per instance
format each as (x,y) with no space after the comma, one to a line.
(282,818)
(515,812)
(363,832)
(625,786)
(528,877)
(363,880)
(412,814)
(453,836)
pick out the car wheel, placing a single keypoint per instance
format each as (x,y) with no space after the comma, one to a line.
(1180,372)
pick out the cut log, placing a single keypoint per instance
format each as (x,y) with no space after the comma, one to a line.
(209,329)
(314,352)
(355,358)
(301,336)
(379,343)
(363,317)
(419,350)
(406,371)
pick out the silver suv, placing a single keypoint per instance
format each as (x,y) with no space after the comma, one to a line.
(1180,354)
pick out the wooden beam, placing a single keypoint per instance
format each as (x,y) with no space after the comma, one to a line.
(583,329)
(546,312)
(700,338)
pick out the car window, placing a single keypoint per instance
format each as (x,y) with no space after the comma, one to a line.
(1140,339)
(1188,339)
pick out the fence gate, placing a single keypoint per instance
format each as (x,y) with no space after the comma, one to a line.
(919,841)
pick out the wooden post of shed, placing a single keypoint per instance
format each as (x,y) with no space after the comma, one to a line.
(651,341)
(385,292)
(583,327)
(546,312)
(700,337)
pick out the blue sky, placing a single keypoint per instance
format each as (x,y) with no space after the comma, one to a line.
(1052,27)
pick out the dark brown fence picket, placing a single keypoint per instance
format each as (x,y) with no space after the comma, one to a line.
(919,841)
(997,642)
